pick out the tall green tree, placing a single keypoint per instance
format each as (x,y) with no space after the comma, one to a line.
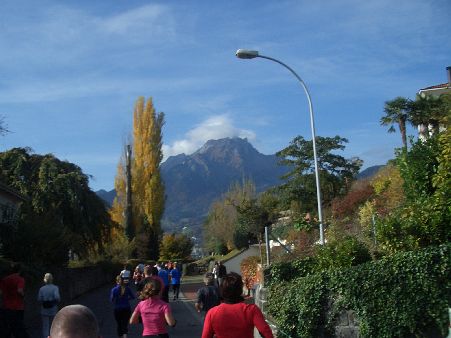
(61,213)
(251,222)
(397,112)
(336,172)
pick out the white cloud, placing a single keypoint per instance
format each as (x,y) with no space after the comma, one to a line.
(213,128)
(69,36)
(85,85)
(149,18)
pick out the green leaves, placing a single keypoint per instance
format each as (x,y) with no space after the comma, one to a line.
(60,206)
(336,172)
(175,246)
(407,293)
(427,112)
(425,217)
(303,224)
(298,307)
(397,112)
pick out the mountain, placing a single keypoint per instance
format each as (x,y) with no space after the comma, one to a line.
(107,196)
(193,182)
(369,172)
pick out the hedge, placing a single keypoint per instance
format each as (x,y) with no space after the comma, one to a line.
(404,295)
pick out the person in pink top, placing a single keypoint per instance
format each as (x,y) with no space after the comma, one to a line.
(154,312)
(233,318)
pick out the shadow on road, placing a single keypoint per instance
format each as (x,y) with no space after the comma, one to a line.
(189,322)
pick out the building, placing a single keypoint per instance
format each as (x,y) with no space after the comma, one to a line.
(234,264)
(439,89)
(425,131)
(10,201)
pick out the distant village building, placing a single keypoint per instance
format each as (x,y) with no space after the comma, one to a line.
(283,220)
(234,264)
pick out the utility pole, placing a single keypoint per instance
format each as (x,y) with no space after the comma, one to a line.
(129,231)
(268,248)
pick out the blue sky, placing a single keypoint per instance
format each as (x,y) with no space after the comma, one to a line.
(71,71)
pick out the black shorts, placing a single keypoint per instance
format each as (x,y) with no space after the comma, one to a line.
(161,335)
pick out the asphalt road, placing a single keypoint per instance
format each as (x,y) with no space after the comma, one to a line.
(189,322)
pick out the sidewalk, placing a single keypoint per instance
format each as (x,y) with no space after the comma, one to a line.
(189,322)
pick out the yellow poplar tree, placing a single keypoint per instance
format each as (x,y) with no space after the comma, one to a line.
(118,207)
(119,245)
(147,185)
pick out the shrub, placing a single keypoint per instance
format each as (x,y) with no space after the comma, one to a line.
(298,307)
(347,205)
(249,271)
(345,252)
(286,271)
(399,296)
(221,248)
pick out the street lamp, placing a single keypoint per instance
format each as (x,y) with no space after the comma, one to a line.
(251,54)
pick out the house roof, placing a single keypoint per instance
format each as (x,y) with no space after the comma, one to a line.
(440,86)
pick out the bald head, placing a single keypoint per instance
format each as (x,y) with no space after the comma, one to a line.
(74,321)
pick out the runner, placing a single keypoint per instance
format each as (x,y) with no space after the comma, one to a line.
(207,295)
(12,291)
(154,313)
(120,296)
(164,275)
(49,297)
(175,281)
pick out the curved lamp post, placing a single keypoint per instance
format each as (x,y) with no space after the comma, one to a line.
(251,54)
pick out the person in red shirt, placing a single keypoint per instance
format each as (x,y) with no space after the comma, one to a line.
(12,292)
(233,318)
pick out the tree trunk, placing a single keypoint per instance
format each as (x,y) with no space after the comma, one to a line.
(129,231)
(402,129)
(260,248)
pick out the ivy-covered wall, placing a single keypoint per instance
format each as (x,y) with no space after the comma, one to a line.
(405,295)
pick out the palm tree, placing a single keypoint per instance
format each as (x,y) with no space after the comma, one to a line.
(397,112)
(427,113)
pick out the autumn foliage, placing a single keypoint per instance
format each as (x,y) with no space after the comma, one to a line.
(348,204)
(249,268)
(147,185)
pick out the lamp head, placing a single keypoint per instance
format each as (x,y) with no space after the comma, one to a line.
(246,54)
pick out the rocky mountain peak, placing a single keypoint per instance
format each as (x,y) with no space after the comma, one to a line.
(193,182)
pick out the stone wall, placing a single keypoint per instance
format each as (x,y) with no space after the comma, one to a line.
(347,325)
(260,299)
